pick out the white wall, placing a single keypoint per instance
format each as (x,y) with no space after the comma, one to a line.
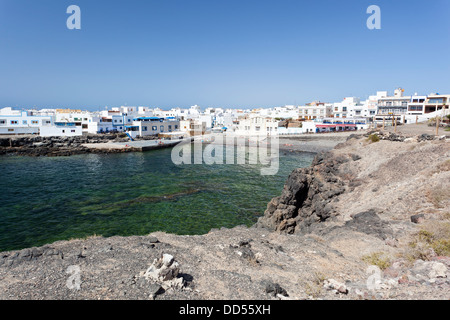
(63,131)
(21,122)
(19,130)
(290,131)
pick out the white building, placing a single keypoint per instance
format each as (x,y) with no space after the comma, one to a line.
(423,108)
(335,125)
(394,105)
(370,106)
(286,112)
(22,122)
(61,129)
(416,107)
(193,127)
(350,105)
(256,125)
(152,126)
(315,110)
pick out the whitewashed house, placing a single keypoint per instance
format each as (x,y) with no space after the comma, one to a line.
(152,126)
(22,122)
(315,110)
(335,125)
(61,129)
(256,125)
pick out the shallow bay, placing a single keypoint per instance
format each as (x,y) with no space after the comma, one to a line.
(48,199)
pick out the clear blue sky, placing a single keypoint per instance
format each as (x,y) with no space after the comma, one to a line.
(229,53)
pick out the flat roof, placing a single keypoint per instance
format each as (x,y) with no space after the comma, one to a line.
(148,118)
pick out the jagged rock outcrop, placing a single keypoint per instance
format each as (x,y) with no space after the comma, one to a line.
(308,195)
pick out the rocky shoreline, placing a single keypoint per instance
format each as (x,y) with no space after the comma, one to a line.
(36,146)
(368,220)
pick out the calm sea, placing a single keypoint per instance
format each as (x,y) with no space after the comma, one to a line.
(43,200)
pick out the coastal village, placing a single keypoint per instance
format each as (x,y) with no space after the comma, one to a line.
(350,114)
(225,158)
(367,220)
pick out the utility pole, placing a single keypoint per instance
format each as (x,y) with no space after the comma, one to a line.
(437,125)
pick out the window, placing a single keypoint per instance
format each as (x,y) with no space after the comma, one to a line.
(154,128)
(2,121)
(162,128)
(170,128)
(176,127)
(10,130)
(436,101)
(64,131)
(14,122)
(35,122)
(144,128)
(73,131)
(24,121)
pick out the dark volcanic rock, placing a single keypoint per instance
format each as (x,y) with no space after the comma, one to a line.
(370,223)
(273,289)
(307,196)
(37,146)
(425,137)
(417,218)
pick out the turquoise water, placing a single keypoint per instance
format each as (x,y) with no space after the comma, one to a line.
(48,199)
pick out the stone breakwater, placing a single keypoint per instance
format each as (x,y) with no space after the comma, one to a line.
(345,228)
(37,146)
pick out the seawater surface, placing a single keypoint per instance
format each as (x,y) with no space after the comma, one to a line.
(43,200)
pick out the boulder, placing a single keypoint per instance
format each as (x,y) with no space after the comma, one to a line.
(332,284)
(165,271)
(418,218)
(274,289)
(369,222)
